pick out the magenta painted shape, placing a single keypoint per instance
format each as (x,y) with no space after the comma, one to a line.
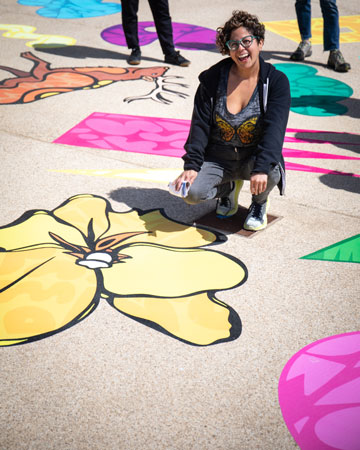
(293,153)
(152,135)
(186,36)
(161,136)
(319,395)
(316,372)
(347,393)
(305,168)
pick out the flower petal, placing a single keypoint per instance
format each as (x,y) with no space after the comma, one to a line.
(164,272)
(41,292)
(32,230)
(161,230)
(198,319)
(88,213)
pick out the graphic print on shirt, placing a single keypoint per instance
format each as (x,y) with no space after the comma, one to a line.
(248,132)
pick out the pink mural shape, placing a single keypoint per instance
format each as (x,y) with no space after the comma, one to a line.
(166,137)
(186,36)
(156,136)
(319,394)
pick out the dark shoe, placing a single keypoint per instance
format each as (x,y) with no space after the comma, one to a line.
(177,60)
(337,62)
(303,50)
(135,57)
(228,206)
(257,219)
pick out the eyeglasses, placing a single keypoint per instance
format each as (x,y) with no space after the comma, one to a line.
(244,42)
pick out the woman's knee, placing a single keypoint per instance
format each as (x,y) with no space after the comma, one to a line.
(194,196)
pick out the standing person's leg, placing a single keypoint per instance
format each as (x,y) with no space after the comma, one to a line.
(161,13)
(331,35)
(129,9)
(163,25)
(303,14)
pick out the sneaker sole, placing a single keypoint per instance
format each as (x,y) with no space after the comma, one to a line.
(219,216)
(261,227)
(134,63)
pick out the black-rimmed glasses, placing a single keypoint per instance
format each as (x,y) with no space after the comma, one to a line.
(244,42)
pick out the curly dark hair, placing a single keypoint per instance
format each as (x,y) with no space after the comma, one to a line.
(239,19)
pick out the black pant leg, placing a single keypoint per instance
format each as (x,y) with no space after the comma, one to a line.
(163,25)
(129,9)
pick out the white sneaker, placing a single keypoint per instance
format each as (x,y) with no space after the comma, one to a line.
(228,206)
(257,219)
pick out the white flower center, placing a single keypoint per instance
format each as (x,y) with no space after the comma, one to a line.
(96,260)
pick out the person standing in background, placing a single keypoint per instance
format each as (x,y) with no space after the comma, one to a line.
(163,25)
(330,15)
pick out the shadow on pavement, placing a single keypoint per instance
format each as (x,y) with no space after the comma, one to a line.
(347,141)
(82,52)
(350,184)
(153,198)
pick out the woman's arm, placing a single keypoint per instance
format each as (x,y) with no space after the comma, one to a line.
(199,131)
(275,121)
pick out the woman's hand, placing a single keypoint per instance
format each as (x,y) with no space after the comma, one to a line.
(188,176)
(258,183)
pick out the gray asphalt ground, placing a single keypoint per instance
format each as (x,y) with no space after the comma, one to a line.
(110,382)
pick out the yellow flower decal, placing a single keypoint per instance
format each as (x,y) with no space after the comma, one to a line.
(55,267)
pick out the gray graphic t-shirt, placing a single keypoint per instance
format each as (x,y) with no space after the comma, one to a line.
(237,130)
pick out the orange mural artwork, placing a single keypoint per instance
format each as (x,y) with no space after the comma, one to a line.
(42,81)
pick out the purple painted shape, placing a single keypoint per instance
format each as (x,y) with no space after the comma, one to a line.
(329,424)
(346,393)
(340,429)
(186,36)
(160,136)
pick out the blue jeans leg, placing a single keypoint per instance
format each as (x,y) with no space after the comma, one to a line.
(303,14)
(330,14)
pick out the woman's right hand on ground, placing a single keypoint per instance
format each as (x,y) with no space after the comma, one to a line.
(188,176)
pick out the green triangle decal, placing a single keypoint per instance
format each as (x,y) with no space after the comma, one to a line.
(343,251)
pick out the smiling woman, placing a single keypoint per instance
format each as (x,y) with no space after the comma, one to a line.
(238,125)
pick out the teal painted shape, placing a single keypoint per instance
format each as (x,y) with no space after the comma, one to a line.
(72,9)
(343,251)
(312,94)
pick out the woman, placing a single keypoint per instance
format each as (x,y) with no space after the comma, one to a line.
(238,125)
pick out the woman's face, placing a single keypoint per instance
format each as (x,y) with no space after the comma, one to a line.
(245,58)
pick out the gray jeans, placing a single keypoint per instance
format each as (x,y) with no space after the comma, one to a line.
(215,177)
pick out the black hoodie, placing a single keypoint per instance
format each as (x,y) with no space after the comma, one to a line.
(274,93)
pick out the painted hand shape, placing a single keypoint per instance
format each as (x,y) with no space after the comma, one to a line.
(314,95)
(56,266)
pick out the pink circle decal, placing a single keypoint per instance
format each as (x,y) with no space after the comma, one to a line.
(319,394)
(186,36)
